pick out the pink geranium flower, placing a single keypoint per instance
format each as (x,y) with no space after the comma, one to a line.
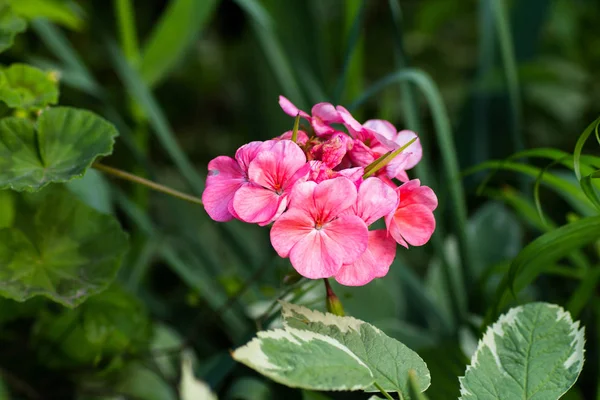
(272,175)
(412,222)
(316,233)
(225,176)
(375,200)
(323,114)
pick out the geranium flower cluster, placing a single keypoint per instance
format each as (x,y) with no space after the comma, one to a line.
(322,187)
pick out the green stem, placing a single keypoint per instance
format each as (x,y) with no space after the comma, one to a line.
(127,30)
(382,390)
(295,131)
(145,182)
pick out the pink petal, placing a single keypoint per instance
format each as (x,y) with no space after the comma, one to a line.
(412,192)
(354,127)
(289,229)
(373,263)
(332,151)
(302,197)
(314,258)
(360,155)
(321,128)
(245,154)
(414,224)
(301,139)
(334,196)
(327,113)
(255,204)
(290,109)
(383,127)
(397,166)
(375,200)
(273,168)
(354,174)
(224,179)
(415,149)
(350,234)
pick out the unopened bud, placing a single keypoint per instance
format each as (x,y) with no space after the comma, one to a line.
(334,305)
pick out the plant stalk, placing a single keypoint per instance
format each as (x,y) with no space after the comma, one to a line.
(382,390)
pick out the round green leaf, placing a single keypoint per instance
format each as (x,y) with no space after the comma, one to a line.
(59,248)
(27,88)
(59,147)
(10,25)
(532,352)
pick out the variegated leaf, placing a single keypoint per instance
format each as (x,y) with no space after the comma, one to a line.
(304,359)
(389,360)
(532,352)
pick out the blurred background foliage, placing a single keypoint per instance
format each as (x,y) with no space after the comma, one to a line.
(187,80)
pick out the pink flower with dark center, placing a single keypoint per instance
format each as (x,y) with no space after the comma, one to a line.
(323,114)
(375,200)
(412,222)
(225,176)
(316,233)
(272,175)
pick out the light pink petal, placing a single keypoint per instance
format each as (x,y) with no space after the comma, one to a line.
(301,139)
(354,174)
(334,196)
(397,165)
(383,127)
(327,113)
(290,109)
(373,263)
(289,229)
(302,197)
(387,144)
(255,204)
(414,223)
(360,155)
(315,257)
(245,154)
(415,149)
(273,168)
(283,203)
(351,236)
(354,127)
(224,178)
(321,128)
(401,175)
(375,200)
(332,151)
(413,193)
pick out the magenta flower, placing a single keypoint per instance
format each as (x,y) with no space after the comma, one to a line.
(225,177)
(272,175)
(323,114)
(412,222)
(375,200)
(316,233)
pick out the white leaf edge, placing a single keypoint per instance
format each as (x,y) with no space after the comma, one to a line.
(190,387)
(252,355)
(505,320)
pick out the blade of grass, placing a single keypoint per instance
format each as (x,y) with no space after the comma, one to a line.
(127,30)
(351,68)
(179,26)
(445,139)
(584,292)
(141,93)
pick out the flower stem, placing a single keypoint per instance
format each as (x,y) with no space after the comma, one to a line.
(382,390)
(145,182)
(295,131)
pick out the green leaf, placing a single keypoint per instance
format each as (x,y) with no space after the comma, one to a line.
(389,360)
(59,11)
(59,147)
(303,359)
(59,248)
(27,88)
(10,26)
(108,325)
(178,28)
(7,208)
(533,351)
(191,388)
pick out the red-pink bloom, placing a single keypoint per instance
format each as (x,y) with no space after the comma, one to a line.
(375,200)
(225,177)
(412,222)
(323,114)
(316,233)
(331,151)
(271,174)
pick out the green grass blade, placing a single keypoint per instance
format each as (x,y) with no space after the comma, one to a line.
(175,33)
(510,69)
(543,251)
(263,27)
(445,139)
(351,76)
(584,292)
(141,93)
(127,29)
(579,146)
